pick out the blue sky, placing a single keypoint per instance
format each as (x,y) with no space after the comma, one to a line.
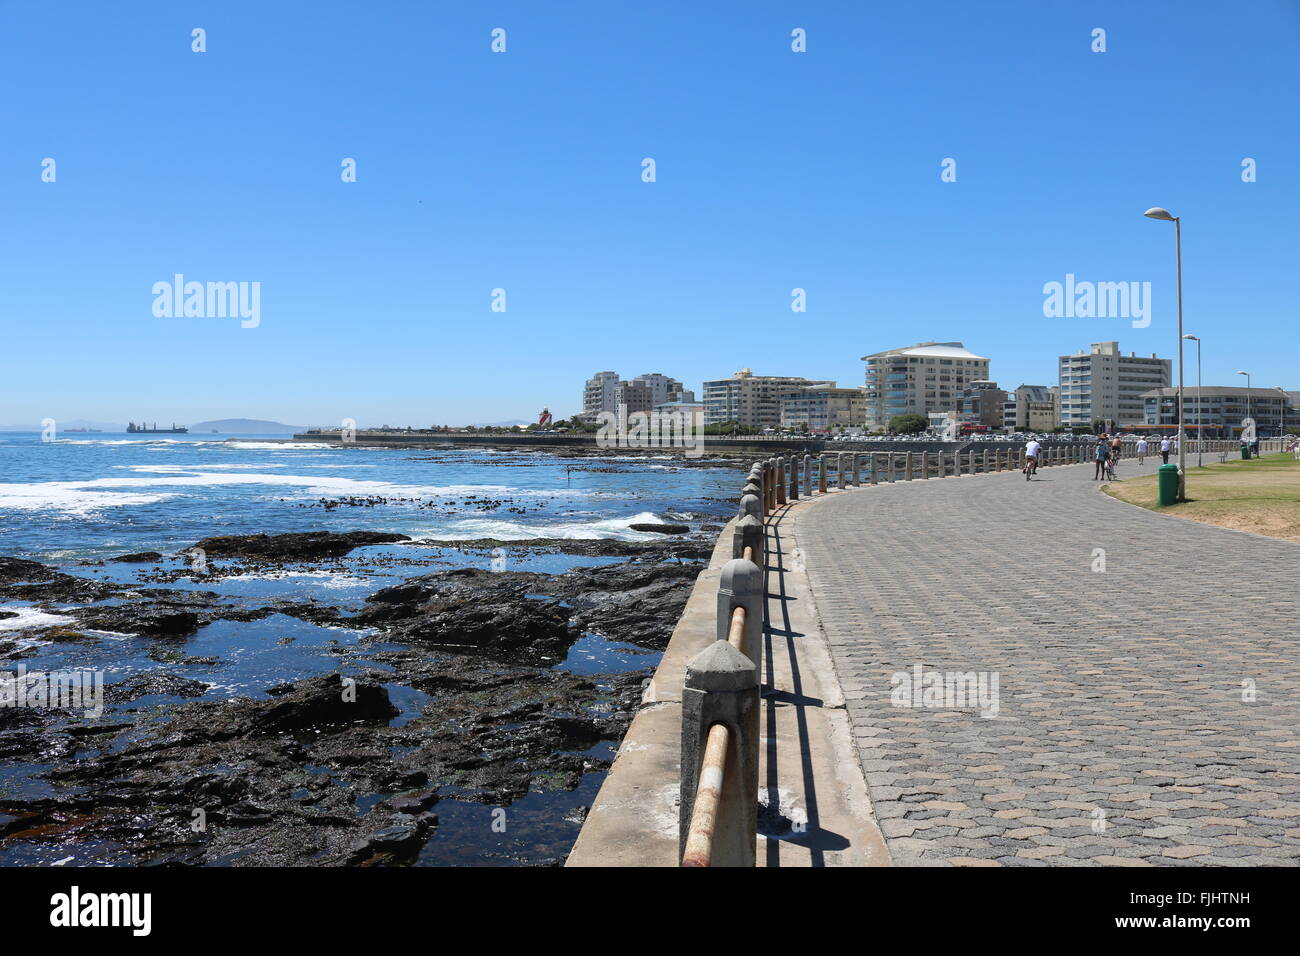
(522,171)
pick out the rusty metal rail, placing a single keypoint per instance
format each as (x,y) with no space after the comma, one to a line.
(736,633)
(699,840)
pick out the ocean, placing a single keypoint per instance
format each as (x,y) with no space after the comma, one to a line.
(77,502)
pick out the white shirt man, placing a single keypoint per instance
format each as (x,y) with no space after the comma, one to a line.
(1164,444)
(1032,448)
(1142,446)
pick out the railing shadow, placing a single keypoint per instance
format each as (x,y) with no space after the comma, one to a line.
(773,824)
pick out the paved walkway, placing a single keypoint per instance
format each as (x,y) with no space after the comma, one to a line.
(1121,735)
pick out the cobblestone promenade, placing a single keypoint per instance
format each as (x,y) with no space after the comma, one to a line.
(1125,732)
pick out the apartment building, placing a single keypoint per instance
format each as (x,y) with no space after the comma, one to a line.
(749,399)
(981,403)
(1105,384)
(919,379)
(1220,409)
(1032,408)
(605,391)
(822,408)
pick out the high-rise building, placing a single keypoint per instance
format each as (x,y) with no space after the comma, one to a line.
(599,394)
(821,408)
(749,399)
(1103,384)
(919,379)
(605,391)
(664,389)
(1032,408)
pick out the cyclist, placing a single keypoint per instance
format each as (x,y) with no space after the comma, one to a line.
(1032,450)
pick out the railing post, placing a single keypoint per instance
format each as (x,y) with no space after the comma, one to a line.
(794,478)
(808,475)
(749,533)
(857,470)
(871,463)
(907,467)
(925,464)
(823,463)
(741,585)
(721,687)
(780,481)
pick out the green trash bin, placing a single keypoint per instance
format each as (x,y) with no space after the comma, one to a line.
(1167,476)
(1245,452)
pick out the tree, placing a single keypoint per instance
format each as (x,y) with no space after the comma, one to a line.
(908,424)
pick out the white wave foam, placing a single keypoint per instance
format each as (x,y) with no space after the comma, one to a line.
(615,528)
(30,617)
(85,497)
(275,446)
(327,579)
(190,469)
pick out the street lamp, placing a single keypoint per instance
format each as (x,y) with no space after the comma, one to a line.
(1200,402)
(1281,421)
(1249,407)
(1155,212)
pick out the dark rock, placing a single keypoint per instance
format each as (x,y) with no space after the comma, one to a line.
(19,570)
(472,608)
(151,684)
(638,601)
(323,700)
(148,619)
(300,546)
(660,528)
(138,558)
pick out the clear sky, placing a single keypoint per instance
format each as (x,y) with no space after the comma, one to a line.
(522,170)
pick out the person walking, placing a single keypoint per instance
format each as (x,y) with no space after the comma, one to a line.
(1142,449)
(1101,455)
(1164,450)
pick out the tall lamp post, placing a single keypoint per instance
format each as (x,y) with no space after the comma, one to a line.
(1281,421)
(1250,408)
(1155,212)
(1200,402)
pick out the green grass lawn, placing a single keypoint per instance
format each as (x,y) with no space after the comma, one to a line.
(1261,495)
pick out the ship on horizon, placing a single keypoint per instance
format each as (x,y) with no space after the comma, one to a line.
(142,428)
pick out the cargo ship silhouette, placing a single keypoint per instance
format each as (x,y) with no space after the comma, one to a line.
(142,428)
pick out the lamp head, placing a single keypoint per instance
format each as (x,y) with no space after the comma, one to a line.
(1155,212)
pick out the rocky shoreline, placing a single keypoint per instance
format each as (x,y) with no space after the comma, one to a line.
(452,689)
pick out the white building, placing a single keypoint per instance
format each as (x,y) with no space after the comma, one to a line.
(604,391)
(749,399)
(1104,384)
(919,379)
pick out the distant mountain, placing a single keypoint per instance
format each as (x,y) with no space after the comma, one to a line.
(243,426)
